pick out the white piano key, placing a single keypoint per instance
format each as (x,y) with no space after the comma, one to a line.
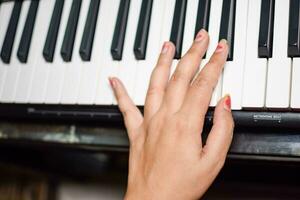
(57,68)
(190,24)
(295,93)
(145,67)
(279,69)
(73,69)
(12,70)
(234,70)
(108,67)
(37,43)
(90,70)
(167,27)
(167,21)
(214,30)
(5,12)
(128,64)
(38,84)
(255,73)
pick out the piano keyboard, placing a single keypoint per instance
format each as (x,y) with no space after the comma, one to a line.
(63,51)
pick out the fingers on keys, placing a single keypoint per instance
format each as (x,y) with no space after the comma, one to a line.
(185,71)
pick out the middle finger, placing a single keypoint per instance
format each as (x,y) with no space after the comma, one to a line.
(185,71)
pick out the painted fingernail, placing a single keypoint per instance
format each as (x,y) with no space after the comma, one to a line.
(165,48)
(112,82)
(221,46)
(227,103)
(200,35)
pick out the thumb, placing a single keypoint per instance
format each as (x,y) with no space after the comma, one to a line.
(220,136)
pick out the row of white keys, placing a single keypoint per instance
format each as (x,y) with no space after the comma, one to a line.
(255,73)
(38,38)
(72,77)
(145,67)
(279,69)
(5,12)
(56,71)
(128,65)
(234,70)
(167,27)
(108,66)
(90,70)
(295,93)
(12,69)
(214,30)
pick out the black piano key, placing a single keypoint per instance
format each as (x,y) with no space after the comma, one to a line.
(265,41)
(120,30)
(51,39)
(203,13)
(11,32)
(228,24)
(25,42)
(86,46)
(69,37)
(178,26)
(141,39)
(293,38)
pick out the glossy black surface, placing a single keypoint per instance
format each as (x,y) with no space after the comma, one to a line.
(11,32)
(178,24)
(228,24)
(120,30)
(51,40)
(89,31)
(294,34)
(141,38)
(266,29)
(203,14)
(26,37)
(69,37)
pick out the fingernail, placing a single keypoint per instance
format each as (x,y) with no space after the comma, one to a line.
(200,35)
(165,48)
(227,103)
(221,46)
(112,82)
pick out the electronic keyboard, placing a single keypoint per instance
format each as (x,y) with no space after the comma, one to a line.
(56,56)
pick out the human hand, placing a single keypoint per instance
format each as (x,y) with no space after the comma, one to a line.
(167,158)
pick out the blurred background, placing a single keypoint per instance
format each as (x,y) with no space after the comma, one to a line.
(76,161)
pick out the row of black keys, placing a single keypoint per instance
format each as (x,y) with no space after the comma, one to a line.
(140,45)
(227,27)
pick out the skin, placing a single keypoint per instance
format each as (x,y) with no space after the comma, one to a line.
(167,158)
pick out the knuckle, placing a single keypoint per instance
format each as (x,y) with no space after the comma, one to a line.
(214,62)
(155,90)
(121,98)
(193,53)
(179,76)
(181,125)
(202,82)
(162,61)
